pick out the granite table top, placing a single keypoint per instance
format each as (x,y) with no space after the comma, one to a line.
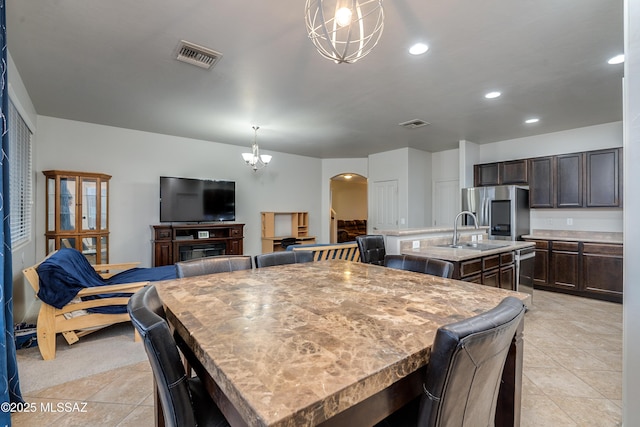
(297,344)
(463,254)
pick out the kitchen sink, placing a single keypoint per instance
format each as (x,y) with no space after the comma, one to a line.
(476,246)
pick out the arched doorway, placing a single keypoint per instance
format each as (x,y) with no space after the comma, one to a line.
(349,213)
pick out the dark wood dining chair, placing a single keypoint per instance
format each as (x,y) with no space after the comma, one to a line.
(283,257)
(372,250)
(464,374)
(435,267)
(185,401)
(214,264)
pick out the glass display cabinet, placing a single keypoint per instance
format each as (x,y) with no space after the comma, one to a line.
(78,213)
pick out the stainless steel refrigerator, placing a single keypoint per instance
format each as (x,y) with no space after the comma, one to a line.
(504,209)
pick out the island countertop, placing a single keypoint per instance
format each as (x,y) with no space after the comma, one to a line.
(462,254)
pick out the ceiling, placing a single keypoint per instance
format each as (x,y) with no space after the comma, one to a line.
(113,63)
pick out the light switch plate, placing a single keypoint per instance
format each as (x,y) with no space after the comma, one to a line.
(416,244)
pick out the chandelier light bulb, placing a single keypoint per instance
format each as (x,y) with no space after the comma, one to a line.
(343,16)
(344,31)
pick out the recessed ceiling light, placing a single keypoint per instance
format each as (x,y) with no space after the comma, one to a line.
(348,176)
(532,120)
(618,59)
(492,95)
(418,49)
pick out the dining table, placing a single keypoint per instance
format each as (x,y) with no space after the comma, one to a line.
(330,343)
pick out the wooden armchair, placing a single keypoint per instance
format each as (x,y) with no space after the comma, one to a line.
(73,320)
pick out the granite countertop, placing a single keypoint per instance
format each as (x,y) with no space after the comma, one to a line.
(460,254)
(297,344)
(576,236)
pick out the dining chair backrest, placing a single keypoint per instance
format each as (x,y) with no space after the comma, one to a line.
(283,257)
(146,312)
(419,264)
(465,367)
(214,264)
(372,250)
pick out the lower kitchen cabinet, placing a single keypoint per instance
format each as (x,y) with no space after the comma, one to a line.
(565,259)
(591,270)
(602,270)
(496,270)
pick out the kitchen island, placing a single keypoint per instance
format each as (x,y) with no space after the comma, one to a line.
(490,263)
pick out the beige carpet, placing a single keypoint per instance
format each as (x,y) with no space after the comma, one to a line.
(101,351)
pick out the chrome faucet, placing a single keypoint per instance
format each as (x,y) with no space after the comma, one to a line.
(454,241)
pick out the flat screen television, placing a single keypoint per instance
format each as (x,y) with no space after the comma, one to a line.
(196,200)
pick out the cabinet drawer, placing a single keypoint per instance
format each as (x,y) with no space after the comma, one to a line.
(566,246)
(470,267)
(490,262)
(163,234)
(603,249)
(506,258)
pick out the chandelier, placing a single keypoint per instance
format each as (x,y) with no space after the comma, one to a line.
(344,30)
(254,159)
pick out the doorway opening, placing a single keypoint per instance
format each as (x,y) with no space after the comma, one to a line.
(349,207)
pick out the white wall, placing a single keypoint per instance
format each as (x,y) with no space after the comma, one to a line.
(419,181)
(137,159)
(631,308)
(581,139)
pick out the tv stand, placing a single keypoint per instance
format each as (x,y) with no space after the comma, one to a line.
(181,242)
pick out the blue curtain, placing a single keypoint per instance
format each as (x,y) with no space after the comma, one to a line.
(9,384)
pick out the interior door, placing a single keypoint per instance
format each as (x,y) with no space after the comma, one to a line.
(445,204)
(384,205)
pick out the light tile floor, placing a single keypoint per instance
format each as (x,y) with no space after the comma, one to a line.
(572,375)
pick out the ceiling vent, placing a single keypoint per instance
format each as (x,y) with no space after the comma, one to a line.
(414,124)
(197,55)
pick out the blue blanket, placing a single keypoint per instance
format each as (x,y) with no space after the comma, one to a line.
(66,272)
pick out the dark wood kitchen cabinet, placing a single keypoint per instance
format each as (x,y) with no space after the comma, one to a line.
(565,265)
(496,270)
(603,178)
(569,181)
(592,270)
(514,172)
(591,179)
(501,173)
(541,262)
(541,182)
(602,270)
(486,174)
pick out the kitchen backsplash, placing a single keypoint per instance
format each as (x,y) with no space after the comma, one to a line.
(609,220)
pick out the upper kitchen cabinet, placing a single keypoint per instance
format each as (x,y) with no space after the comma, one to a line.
(514,172)
(486,174)
(569,181)
(603,184)
(577,180)
(501,173)
(542,182)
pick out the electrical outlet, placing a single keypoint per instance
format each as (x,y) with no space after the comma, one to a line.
(416,244)
(474,238)
(569,221)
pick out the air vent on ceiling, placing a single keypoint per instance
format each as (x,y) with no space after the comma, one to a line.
(196,55)
(414,124)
